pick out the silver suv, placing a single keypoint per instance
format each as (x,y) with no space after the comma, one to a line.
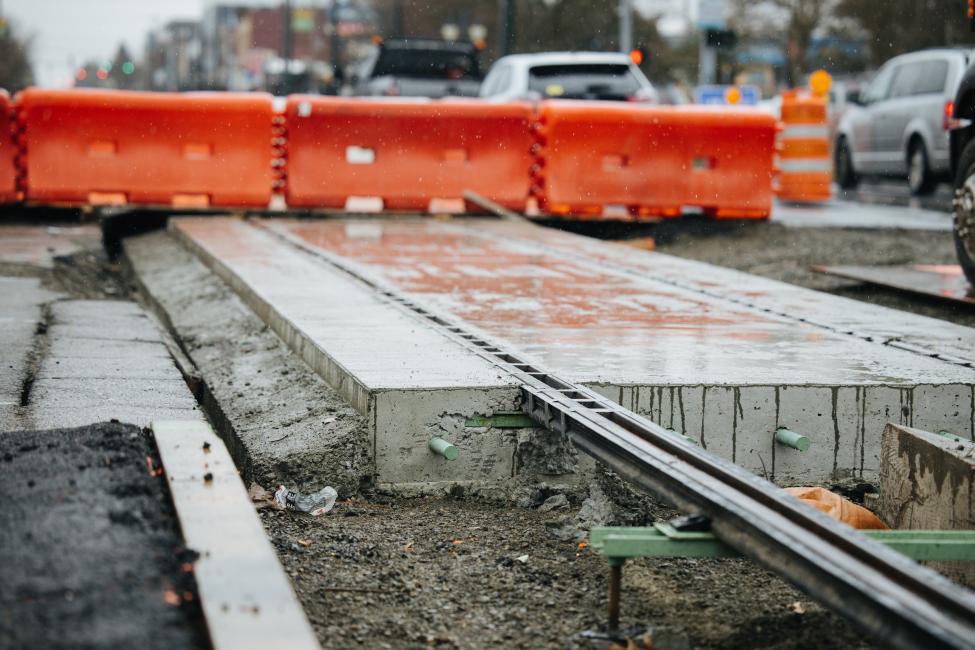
(900,127)
(567,75)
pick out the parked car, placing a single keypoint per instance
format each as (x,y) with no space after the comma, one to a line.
(567,75)
(419,68)
(900,125)
(962,146)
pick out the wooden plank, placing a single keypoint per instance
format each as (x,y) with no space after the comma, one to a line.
(926,482)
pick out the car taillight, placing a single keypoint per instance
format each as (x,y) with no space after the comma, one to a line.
(947,120)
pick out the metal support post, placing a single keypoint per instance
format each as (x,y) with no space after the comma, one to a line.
(615,586)
(626,25)
(506,35)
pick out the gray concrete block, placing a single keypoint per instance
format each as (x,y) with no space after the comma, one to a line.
(926,483)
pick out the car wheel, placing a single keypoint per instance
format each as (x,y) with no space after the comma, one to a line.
(920,180)
(964,209)
(843,166)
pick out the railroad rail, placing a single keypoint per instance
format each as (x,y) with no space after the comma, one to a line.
(888,595)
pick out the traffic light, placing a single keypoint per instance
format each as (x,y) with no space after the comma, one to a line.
(723,38)
(639,54)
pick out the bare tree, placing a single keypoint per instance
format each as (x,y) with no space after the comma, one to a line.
(15,66)
(897,26)
(796,19)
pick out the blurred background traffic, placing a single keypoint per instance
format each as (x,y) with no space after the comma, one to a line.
(893,123)
(325,45)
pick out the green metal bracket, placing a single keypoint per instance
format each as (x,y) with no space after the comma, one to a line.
(501,421)
(662,540)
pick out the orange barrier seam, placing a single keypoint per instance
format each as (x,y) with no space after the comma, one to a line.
(9,152)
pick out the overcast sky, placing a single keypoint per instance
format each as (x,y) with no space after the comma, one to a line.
(67,33)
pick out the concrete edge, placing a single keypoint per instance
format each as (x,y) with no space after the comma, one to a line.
(334,374)
(247,599)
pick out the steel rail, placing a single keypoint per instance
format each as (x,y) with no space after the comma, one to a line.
(885,593)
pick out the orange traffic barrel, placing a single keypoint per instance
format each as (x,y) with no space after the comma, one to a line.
(805,169)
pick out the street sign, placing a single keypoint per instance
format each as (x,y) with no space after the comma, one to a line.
(745,95)
(712,14)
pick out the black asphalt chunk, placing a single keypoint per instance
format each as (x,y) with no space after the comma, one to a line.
(90,550)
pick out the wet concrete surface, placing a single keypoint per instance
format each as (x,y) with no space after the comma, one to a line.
(789,255)
(723,357)
(281,421)
(451,573)
(894,192)
(600,326)
(839,213)
(91,551)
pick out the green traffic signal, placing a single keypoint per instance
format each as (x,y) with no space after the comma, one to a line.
(128,67)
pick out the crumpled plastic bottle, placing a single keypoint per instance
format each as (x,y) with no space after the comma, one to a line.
(314,504)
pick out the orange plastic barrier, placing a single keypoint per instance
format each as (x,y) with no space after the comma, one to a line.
(8,152)
(838,508)
(601,159)
(805,169)
(116,147)
(414,155)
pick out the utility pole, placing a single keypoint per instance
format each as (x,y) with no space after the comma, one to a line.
(626,25)
(399,28)
(286,36)
(506,35)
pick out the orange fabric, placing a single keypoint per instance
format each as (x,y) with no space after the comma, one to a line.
(406,152)
(8,174)
(653,160)
(838,508)
(147,148)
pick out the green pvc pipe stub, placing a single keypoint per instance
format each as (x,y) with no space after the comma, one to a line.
(792,439)
(443,448)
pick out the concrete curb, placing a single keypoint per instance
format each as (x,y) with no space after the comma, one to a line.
(246,597)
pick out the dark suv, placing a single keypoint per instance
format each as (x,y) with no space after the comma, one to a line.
(419,68)
(962,147)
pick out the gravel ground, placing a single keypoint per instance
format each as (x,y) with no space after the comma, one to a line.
(92,554)
(450,573)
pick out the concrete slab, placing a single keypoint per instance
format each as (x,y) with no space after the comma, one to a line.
(106,360)
(409,381)
(722,356)
(21,303)
(873,323)
(927,482)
